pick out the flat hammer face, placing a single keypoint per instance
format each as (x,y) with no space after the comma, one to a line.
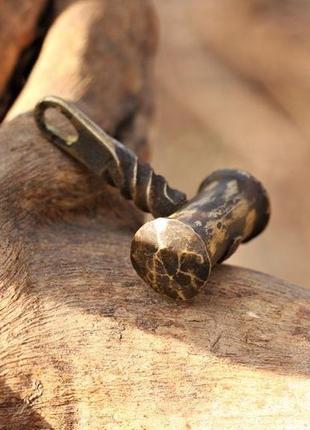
(175,255)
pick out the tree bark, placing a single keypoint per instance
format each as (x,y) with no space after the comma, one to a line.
(84,343)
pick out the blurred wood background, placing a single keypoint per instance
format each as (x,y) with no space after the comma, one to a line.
(233,90)
(84,343)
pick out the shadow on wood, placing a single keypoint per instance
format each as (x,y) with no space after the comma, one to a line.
(17,413)
(108,351)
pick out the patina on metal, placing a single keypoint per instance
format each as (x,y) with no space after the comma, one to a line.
(175,252)
(175,255)
(105,156)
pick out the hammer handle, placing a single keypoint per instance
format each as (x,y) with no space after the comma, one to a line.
(231,207)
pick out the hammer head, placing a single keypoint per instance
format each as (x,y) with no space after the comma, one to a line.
(175,255)
(170,256)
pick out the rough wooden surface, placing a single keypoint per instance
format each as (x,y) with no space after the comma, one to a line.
(84,344)
(233,90)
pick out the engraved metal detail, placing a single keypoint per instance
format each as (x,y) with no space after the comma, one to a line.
(104,155)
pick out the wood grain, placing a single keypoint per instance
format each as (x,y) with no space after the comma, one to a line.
(84,344)
(96,348)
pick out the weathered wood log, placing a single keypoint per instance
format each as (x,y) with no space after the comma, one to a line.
(84,343)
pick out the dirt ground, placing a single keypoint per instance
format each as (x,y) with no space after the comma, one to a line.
(232,84)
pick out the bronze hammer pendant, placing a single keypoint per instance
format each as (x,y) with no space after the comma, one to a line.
(175,255)
(175,252)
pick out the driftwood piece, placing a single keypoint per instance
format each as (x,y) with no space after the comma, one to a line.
(84,343)
(88,345)
(233,87)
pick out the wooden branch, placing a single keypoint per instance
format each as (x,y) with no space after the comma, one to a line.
(95,347)
(107,80)
(87,345)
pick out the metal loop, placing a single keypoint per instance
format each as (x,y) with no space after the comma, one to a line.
(102,154)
